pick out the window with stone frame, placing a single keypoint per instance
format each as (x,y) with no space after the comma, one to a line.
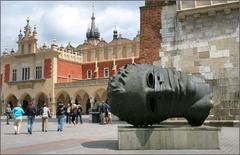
(187,4)
(14,75)
(89,74)
(124,52)
(26,73)
(88,55)
(115,52)
(29,48)
(106,72)
(22,50)
(134,50)
(105,53)
(39,72)
(97,54)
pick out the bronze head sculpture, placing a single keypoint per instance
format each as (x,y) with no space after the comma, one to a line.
(144,95)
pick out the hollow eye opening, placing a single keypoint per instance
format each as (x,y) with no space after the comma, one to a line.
(150,80)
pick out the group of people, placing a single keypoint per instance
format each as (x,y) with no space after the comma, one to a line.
(73,112)
(104,109)
(31,112)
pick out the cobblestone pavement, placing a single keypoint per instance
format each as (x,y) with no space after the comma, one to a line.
(91,138)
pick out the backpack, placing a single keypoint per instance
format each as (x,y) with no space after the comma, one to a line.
(34,111)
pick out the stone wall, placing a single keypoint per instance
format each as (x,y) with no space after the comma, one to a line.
(205,45)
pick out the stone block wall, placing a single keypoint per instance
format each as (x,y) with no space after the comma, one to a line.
(205,45)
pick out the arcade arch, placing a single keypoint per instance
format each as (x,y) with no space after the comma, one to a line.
(41,98)
(64,97)
(100,95)
(82,97)
(24,99)
(12,100)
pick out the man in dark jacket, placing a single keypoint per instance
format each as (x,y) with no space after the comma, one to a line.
(79,114)
(31,113)
(60,115)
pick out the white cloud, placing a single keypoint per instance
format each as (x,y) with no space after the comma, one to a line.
(68,21)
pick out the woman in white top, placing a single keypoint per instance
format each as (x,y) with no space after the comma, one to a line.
(45,115)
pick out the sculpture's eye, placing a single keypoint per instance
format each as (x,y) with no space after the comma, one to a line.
(150,80)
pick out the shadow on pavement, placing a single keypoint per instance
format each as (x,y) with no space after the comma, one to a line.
(105,144)
(47,130)
(13,134)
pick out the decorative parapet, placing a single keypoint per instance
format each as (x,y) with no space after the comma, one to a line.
(82,83)
(71,57)
(26,84)
(197,7)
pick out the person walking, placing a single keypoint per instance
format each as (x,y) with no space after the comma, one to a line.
(79,113)
(109,114)
(8,113)
(45,115)
(106,107)
(68,120)
(17,115)
(74,113)
(101,113)
(31,113)
(60,116)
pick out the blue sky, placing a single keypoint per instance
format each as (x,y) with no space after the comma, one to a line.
(68,21)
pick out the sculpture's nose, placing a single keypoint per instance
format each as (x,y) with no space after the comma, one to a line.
(157,83)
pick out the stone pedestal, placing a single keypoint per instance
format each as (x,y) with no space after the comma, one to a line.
(168,137)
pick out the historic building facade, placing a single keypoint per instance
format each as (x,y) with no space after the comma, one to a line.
(201,38)
(68,74)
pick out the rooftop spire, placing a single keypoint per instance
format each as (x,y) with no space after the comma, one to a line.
(27,20)
(92,9)
(35,32)
(115,33)
(27,28)
(34,28)
(92,32)
(20,34)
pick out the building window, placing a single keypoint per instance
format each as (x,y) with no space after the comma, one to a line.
(188,4)
(14,75)
(106,72)
(29,48)
(22,48)
(26,73)
(89,56)
(134,50)
(115,52)
(124,52)
(89,74)
(105,53)
(97,55)
(39,72)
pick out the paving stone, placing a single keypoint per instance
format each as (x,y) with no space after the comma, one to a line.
(89,138)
